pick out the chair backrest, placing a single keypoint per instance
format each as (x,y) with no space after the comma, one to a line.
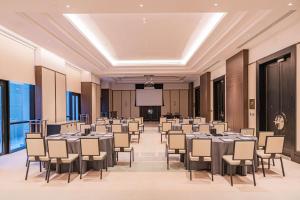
(187,128)
(166,126)
(176,132)
(220,128)
(176,141)
(116,128)
(78,125)
(116,121)
(100,128)
(84,126)
(33,135)
(133,126)
(35,147)
(262,137)
(162,119)
(57,148)
(248,131)
(201,147)
(100,122)
(204,128)
(203,120)
(185,121)
(197,121)
(139,120)
(106,121)
(90,146)
(177,121)
(121,140)
(274,144)
(243,149)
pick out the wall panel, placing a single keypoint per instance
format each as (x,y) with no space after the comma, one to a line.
(174,95)
(205,97)
(48,95)
(184,102)
(117,98)
(126,102)
(135,110)
(167,103)
(60,95)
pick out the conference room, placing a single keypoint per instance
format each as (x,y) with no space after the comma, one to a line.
(146,99)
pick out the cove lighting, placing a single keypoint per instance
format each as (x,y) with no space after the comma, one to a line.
(198,40)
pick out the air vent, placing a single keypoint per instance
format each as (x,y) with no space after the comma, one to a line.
(268,27)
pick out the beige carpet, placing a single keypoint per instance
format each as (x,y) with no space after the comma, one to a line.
(147,179)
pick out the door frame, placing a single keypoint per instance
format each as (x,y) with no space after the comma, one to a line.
(5,114)
(214,81)
(260,77)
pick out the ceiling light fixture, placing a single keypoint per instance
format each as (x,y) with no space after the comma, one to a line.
(198,37)
(141,5)
(290,4)
(68,6)
(216,4)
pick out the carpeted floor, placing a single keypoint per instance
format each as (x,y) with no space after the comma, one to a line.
(147,179)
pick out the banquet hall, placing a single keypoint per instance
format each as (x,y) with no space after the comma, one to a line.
(147,99)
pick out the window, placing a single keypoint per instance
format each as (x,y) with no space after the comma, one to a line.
(73,106)
(1,118)
(19,113)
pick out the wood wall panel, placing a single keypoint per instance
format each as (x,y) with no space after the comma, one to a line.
(135,110)
(166,97)
(174,95)
(184,102)
(98,100)
(116,99)
(126,103)
(86,99)
(110,93)
(60,95)
(237,91)
(205,96)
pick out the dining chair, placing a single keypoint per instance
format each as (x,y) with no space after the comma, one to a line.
(101,128)
(220,128)
(90,151)
(33,135)
(185,121)
(100,122)
(273,150)
(203,120)
(161,120)
(175,132)
(116,128)
(176,145)
(78,125)
(262,135)
(248,131)
(166,127)
(58,154)
(243,155)
(116,121)
(201,152)
(204,128)
(122,144)
(84,126)
(196,121)
(36,152)
(133,129)
(187,128)
(140,120)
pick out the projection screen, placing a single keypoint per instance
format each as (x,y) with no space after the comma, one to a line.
(149,97)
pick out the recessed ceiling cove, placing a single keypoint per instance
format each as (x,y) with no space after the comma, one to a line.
(160,39)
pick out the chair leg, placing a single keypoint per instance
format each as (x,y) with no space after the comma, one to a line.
(253,173)
(48,170)
(269,163)
(106,163)
(40,166)
(117,156)
(263,167)
(273,161)
(160,138)
(70,167)
(130,159)
(212,172)
(230,169)
(132,155)
(101,169)
(222,170)
(28,164)
(190,170)
(81,167)
(168,167)
(282,168)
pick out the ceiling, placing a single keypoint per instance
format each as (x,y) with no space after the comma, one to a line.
(131,38)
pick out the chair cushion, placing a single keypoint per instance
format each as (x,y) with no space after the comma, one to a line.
(195,158)
(229,160)
(101,157)
(127,149)
(172,151)
(163,132)
(40,158)
(261,154)
(70,159)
